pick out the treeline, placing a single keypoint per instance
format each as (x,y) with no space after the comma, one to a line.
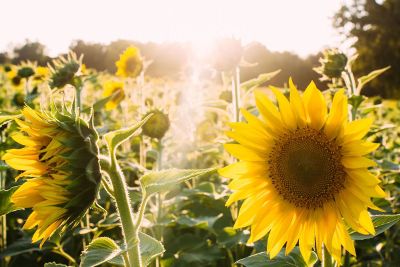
(173,59)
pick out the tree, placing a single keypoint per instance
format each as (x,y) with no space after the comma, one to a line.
(376,30)
(32,51)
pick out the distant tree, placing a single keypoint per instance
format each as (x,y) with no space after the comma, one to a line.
(93,54)
(301,70)
(376,30)
(32,51)
(4,58)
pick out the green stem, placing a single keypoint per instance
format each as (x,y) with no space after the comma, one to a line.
(129,231)
(61,252)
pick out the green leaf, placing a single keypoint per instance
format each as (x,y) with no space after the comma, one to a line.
(4,118)
(362,81)
(99,251)
(23,245)
(53,264)
(382,222)
(149,248)
(115,138)
(262,78)
(162,181)
(293,259)
(5,201)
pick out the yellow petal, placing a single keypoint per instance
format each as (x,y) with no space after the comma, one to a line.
(337,116)
(297,105)
(356,130)
(357,162)
(269,111)
(359,148)
(287,115)
(243,168)
(243,153)
(315,105)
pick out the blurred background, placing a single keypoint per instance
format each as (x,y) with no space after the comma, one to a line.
(178,35)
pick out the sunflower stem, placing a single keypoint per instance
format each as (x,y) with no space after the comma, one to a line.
(130,233)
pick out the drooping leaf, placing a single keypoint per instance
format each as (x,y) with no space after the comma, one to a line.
(115,138)
(6,206)
(162,181)
(149,248)
(99,251)
(294,259)
(362,81)
(262,78)
(382,222)
(23,245)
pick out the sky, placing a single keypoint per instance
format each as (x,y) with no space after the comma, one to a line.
(300,26)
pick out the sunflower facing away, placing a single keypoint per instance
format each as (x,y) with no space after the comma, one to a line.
(130,63)
(302,174)
(116,91)
(60,164)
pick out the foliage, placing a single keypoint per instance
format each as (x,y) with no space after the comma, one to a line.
(372,24)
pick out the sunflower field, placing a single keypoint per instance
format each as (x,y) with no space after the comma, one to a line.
(101,169)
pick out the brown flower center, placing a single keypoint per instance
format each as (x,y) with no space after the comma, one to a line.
(305,168)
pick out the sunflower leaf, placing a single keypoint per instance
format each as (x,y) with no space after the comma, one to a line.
(99,251)
(362,81)
(115,138)
(149,248)
(162,181)
(6,206)
(262,78)
(293,259)
(381,222)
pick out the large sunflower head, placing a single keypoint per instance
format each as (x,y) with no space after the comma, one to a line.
(59,160)
(130,63)
(114,89)
(303,173)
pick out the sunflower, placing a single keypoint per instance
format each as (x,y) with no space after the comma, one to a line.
(130,63)
(116,91)
(60,164)
(302,174)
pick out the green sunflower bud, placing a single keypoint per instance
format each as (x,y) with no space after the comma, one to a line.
(19,100)
(333,63)
(60,163)
(157,125)
(63,71)
(25,72)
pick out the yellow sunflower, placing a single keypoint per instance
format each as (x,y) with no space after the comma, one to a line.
(302,174)
(130,63)
(60,164)
(116,91)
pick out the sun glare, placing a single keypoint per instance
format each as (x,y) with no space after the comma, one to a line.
(280,25)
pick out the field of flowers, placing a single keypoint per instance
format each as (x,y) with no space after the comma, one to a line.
(124,170)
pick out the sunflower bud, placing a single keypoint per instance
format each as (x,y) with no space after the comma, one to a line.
(157,125)
(130,63)
(63,71)
(59,160)
(333,64)
(19,100)
(25,72)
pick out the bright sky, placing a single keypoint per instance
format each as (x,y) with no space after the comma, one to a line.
(301,26)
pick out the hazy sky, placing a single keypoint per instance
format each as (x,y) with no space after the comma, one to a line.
(301,26)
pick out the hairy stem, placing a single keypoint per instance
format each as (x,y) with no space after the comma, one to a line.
(129,231)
